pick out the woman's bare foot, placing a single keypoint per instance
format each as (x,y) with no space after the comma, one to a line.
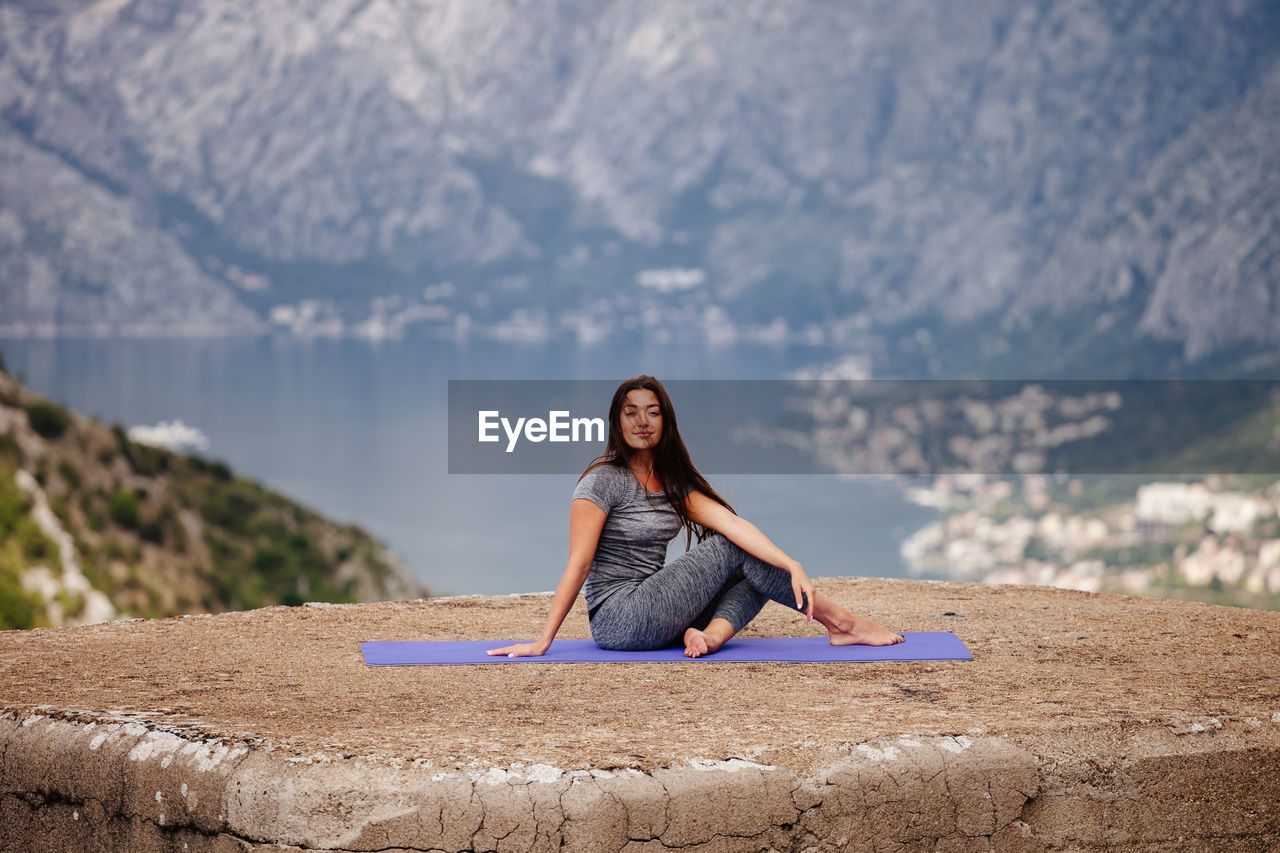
(698,643)
(857,631)
(695,643)
(849,629)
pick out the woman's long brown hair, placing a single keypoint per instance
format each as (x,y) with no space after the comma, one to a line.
(671,460)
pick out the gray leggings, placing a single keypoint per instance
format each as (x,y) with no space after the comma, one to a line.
(713,578)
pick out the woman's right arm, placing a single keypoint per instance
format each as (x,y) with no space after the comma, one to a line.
(586,520)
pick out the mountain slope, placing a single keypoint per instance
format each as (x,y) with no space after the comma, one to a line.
(883,176)
(93,524)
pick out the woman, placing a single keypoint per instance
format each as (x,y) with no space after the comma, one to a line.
(628,505)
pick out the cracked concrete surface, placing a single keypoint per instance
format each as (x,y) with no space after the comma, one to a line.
(1084,722)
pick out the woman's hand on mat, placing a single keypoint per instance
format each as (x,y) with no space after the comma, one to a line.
(521,650)
(803,588)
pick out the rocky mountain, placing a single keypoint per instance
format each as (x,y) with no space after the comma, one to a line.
(94,525)
(993,187)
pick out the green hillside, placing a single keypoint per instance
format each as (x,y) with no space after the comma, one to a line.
(157,533)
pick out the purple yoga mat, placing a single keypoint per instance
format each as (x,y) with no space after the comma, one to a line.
(928,645)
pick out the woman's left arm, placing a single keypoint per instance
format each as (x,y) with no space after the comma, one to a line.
(715,516)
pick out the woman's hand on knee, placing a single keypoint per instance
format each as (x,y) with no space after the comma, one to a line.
(803,588)
(521,650)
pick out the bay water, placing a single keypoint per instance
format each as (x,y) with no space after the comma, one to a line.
(357,430)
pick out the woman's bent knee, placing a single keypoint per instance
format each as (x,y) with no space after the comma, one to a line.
(728,552)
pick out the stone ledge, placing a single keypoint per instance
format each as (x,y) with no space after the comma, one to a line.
(1084,722)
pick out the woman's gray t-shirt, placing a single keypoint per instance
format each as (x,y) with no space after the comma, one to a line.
(633,542)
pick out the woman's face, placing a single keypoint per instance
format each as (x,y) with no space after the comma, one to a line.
(641,419)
